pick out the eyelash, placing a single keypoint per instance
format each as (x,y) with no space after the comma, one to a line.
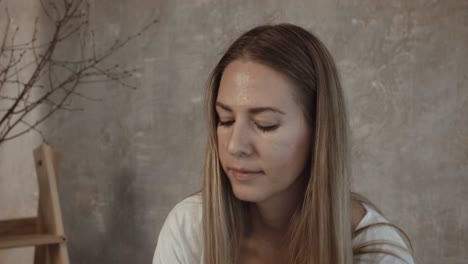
(262,128)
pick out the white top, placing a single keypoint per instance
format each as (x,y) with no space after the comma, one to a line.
(180,239)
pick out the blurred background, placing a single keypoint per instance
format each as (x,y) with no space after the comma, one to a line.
(127,159)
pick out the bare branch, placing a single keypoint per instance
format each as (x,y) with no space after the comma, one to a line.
(42,63)
(62,77)
(33,40)
(45,10)
(39,121)
(30,127)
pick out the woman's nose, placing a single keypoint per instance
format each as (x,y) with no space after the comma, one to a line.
(239,141)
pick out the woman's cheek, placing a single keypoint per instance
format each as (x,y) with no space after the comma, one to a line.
(279,152)
(286,152)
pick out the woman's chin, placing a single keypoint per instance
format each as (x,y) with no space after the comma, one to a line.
(248,194)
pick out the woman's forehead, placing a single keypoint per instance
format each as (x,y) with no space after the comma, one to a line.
(252,84)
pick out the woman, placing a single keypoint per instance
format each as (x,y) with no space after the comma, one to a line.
(276,184)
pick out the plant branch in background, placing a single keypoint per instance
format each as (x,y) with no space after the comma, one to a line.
(33,74)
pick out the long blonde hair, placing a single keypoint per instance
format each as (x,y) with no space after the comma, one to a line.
(320,229)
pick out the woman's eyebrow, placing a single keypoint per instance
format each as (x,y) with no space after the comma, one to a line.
(253,111)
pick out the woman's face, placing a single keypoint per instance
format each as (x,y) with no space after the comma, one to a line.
(263,136)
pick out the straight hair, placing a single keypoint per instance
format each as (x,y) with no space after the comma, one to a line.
(320,228)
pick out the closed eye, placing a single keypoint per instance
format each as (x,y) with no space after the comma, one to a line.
(225,123)
(267,128)
(261,128)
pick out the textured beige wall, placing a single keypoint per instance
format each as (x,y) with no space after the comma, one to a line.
(128,160)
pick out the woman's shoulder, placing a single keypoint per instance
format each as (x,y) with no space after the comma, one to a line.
(180,237)
(189,205)
(375,240)
(186,216)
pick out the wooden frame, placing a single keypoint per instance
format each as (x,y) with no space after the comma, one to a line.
(45,232)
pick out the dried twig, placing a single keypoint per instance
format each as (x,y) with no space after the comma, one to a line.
(50,80)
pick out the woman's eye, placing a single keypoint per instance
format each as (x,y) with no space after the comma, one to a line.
(267,128)
(262,128)
(225,123)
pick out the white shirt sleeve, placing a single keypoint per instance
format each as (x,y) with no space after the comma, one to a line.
(180,238)
(381,258)
(167,249)
(381,233)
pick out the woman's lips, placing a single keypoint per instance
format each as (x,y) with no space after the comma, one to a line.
(244,175)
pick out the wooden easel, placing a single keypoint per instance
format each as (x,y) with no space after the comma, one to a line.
(44,232)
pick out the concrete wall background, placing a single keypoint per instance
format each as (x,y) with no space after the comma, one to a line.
(128,160)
